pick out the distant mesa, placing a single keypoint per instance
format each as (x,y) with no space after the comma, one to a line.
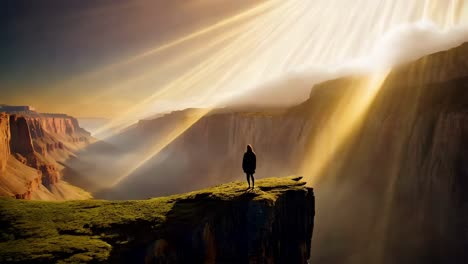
(11,109)
(33,147)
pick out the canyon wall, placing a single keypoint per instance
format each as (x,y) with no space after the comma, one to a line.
(21,141)
(34,146)
(4,140)
(52,132)
(414,139)
(394,190)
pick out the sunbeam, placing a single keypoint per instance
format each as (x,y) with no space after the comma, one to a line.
(191,118)
(344,116)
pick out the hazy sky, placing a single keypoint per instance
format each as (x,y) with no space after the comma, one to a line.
(45,44)
(114,58)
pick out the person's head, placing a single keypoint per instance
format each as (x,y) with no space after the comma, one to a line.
(249,148)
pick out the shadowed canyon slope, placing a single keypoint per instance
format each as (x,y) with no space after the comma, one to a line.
(222,224)
(397,176)
(33,148)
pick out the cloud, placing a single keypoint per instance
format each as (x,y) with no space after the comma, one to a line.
(400,45)
(409,42)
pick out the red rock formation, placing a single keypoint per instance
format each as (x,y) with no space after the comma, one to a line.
(50,174)
(4,140)
(58,124)
(31,187)
(29,138)
(51,132)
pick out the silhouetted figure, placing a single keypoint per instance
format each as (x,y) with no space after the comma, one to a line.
(249,164)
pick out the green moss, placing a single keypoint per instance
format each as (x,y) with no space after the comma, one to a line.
(81,231)
(64,247)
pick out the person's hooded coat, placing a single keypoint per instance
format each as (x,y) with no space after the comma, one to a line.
(249,162)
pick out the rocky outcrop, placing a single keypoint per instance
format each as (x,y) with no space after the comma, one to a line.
(57,124)
(34,144)
(242,230)
(51,132)
(223,224)
(31,187)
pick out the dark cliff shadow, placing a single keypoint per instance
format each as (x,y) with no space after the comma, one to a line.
(187,235)
(241,229)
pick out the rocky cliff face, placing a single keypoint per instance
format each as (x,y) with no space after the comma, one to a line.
(223,224)
(21,146)
(21,141)
(4,141)
(52,132)
(408,164)
(34,144)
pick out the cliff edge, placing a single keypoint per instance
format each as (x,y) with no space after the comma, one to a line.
(226,223)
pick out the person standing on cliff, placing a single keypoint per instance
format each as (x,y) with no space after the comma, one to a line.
(249,164)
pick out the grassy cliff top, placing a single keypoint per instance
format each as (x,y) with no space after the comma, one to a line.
(81,231)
